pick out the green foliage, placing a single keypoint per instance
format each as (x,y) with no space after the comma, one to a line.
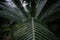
(27,26)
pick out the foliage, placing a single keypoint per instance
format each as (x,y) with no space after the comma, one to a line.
(29,24)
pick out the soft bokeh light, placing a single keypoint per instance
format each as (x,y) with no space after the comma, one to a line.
(10,2)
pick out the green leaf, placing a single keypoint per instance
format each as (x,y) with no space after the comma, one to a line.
(21,8)
(49,11)
(12,13)
(39,6)
(28,27)
(33,30)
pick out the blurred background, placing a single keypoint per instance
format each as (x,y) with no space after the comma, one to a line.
(53,21)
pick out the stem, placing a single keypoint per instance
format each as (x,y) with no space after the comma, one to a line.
(33,29)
